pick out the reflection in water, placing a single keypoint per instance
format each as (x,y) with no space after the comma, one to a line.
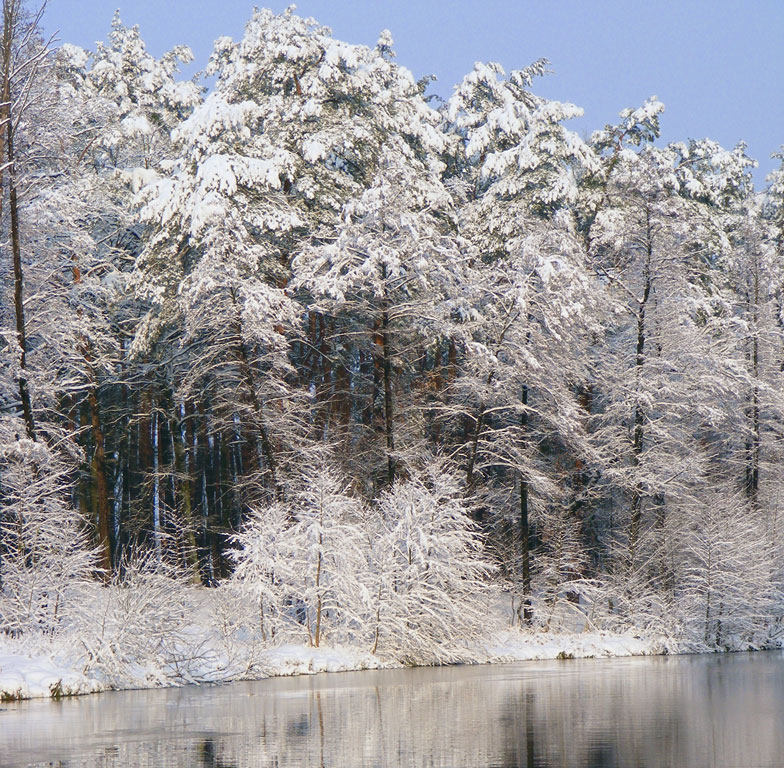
(722,711)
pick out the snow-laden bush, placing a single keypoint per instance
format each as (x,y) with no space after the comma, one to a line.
(730,584)
(236,644)
(405,575)
(705,578)
(45,556)
(142,627)
(299,564)
(428,577)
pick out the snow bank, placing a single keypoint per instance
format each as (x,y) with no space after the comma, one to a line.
(521,645)
(301,660)
(55,672)
(26,677)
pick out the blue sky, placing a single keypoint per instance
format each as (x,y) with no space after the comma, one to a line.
(717,65)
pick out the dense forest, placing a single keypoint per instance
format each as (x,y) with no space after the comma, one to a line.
(366,354)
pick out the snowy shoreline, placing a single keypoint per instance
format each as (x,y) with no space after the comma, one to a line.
(54,675)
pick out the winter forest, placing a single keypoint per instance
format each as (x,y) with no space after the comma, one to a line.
(308,356)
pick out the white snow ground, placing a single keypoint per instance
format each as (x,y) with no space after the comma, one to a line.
(54,671)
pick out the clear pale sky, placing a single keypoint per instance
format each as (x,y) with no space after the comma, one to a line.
(718,65)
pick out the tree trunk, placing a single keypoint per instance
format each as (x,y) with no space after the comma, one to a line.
(319,605)
(183,468)
(387,372)
(10,18)
(101,492)
(156,486)
(638,438)
(754,441)
(527,614)
(478,424)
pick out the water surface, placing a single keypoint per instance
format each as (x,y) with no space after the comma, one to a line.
(722,711)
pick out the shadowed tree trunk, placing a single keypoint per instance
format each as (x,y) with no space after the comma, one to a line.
(638,437)
(11,12)
(387,373)
(525,534)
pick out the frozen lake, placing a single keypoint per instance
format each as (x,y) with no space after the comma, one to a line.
(688,711)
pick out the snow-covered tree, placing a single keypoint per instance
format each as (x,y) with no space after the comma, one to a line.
(515,175)
(45,556)
(392,282)
(137,99)
(639,240)
(24,55)
(97,121)
(515,156)
(521,385)
(42,234)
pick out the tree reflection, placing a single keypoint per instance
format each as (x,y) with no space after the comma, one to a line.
(657,713)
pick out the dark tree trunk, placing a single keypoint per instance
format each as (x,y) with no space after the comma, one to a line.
(10,19)
(638,438)
(479,422)
(754,441)
(389,429)
(101,486)
(525,534)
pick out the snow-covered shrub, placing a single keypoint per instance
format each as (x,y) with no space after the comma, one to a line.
(237,645)
(558,569)
(45,555)
(264,571)
(731,594)
(428,578)
(141,628)
(299,564)
(406,574)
